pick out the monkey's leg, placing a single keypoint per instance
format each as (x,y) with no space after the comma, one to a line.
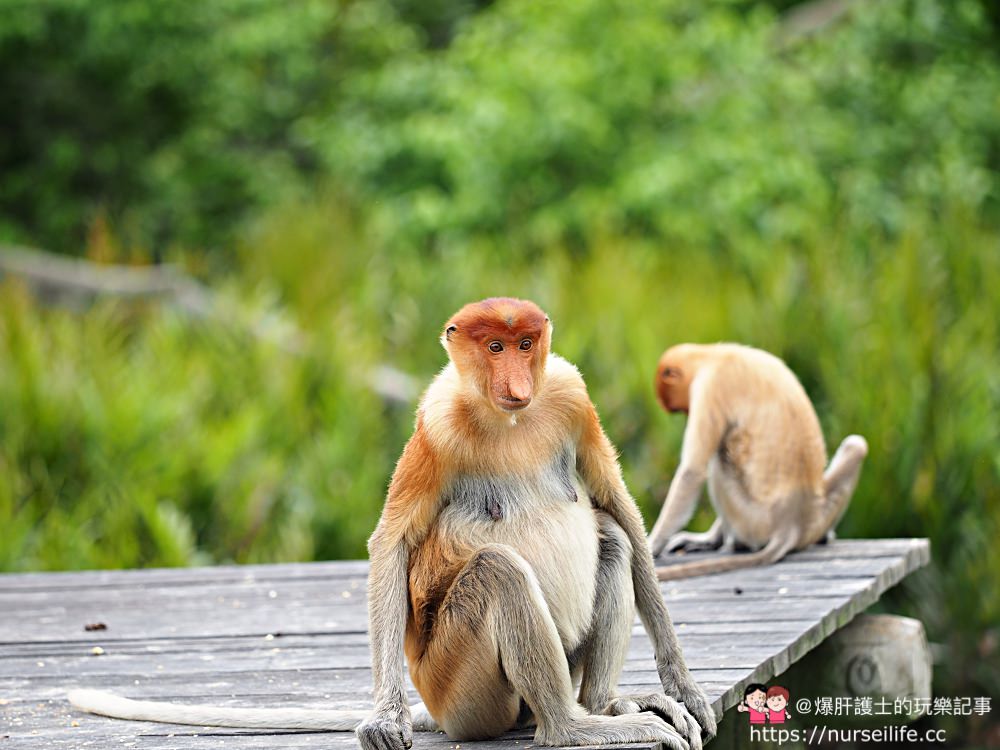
(603,654)
(494,643)
(841,478)
(691,541)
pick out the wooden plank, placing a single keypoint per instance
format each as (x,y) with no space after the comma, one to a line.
(75,580)
(97,579)
(206,631)
(350,594)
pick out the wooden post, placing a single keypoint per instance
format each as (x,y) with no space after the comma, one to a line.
(874,656)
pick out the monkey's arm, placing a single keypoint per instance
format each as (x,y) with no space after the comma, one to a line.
(702,435)
(389,726)
(599,469)
(409,509)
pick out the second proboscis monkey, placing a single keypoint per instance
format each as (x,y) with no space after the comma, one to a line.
(753,434)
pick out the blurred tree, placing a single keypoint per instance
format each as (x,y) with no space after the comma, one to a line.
(170,120)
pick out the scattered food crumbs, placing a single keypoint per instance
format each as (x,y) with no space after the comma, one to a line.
(272,594)
(269,637)
(4,701)
(737,590)
(275,650)
(346,594)
(90,627)
(159,666)
(41,663)
(74,723)
(783,590)
(97,651)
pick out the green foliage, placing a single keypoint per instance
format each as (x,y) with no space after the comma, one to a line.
(650,172)
(169,120)
(678,120)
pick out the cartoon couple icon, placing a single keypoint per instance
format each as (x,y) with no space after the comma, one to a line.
(765,703)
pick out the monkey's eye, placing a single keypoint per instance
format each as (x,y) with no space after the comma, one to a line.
(496,347)
(670,372)
(525,344)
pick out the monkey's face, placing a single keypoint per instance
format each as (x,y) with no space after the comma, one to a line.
(673,382)
(499,346)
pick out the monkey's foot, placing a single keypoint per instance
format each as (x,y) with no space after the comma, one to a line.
(613,730)
(663,706)
(696,704)
(690,541)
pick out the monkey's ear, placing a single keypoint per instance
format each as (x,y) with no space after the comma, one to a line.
(446,336)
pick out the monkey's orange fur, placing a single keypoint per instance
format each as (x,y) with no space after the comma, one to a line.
(464,423)
(507,413)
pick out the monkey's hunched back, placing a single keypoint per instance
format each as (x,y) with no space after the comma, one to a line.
(772,424)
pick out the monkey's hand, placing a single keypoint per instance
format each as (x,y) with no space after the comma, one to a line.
(663,706)
(386,730)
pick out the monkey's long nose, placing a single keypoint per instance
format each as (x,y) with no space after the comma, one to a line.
(515,395)
(519,389)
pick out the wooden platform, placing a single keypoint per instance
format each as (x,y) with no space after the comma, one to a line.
(295,634)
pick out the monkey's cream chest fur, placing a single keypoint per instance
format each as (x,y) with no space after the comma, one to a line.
(547,517)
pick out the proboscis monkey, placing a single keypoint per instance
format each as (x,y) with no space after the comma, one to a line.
(508,564)
(753,434)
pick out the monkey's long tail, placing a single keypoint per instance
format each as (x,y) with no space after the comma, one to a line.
(109,704)
(780,545)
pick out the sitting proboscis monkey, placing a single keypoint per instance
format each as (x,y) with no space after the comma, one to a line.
(508,564)
(753,434)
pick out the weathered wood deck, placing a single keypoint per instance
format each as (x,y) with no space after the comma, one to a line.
(295,634)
